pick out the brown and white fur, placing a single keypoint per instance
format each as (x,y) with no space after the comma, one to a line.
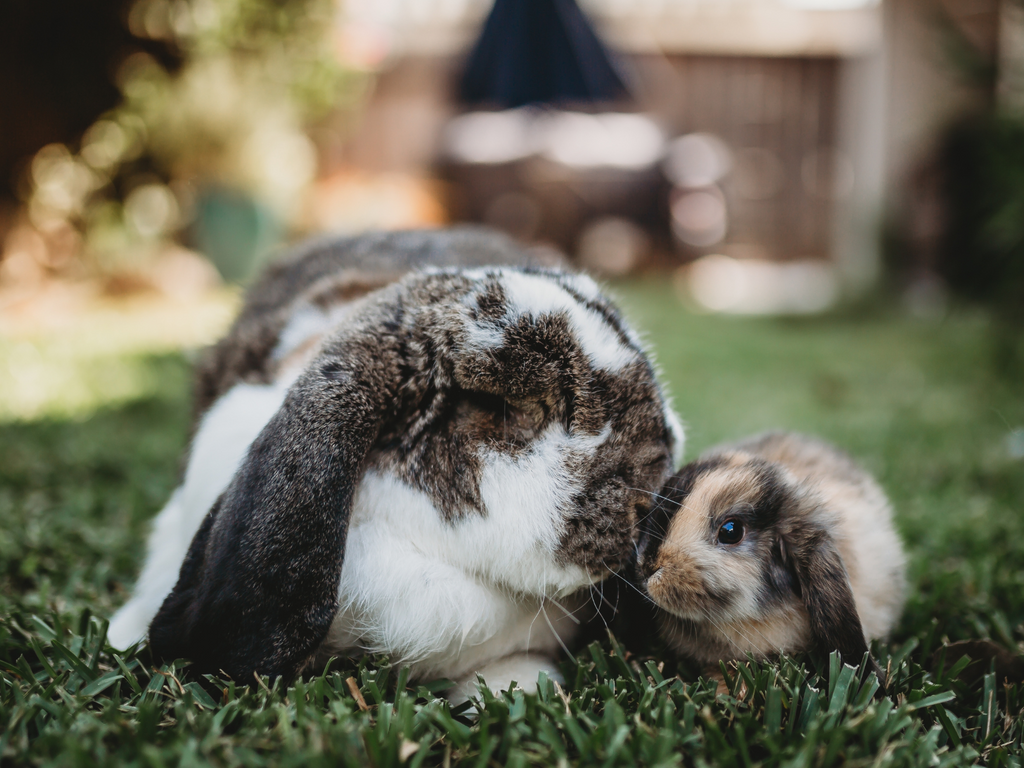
(432,469)
(775,544)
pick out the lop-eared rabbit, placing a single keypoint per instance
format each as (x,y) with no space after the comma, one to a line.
(776,544)
(429,463)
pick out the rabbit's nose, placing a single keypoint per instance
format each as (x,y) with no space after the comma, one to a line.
(651,577)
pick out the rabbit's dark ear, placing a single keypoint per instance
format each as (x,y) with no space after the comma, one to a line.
(825,590)
(259,587)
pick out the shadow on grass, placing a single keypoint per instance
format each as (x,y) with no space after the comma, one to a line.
(77,493)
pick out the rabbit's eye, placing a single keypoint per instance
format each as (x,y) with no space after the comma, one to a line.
(731,532)
(520,417)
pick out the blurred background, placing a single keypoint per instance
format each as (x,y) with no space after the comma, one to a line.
(812,209)
(764,157)
(810,143)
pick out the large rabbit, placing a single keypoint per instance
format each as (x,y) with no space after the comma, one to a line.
(421,469)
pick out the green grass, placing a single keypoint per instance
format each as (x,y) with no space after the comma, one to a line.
(920,404)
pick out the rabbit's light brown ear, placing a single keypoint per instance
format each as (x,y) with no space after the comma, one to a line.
(258,589)
(825,591)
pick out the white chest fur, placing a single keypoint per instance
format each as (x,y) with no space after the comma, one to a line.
(448,597)
(445,597)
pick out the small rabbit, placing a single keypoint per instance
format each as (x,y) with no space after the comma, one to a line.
(775,544)
(414,463)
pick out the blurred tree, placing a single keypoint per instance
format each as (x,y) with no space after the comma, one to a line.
(983,253)
(57,59)
(982,164)
(230,117)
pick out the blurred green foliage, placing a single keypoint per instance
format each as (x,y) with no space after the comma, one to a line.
(980,161)
(983,254)
(288,40)
(233,114)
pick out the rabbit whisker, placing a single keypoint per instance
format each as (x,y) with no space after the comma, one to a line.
(656,536)
(529,633)
(651,493)
(632,586)
(569,614)
(558,637)
(604,600)
(597,591)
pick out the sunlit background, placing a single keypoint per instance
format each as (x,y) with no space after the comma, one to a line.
(764,157)
(811,210)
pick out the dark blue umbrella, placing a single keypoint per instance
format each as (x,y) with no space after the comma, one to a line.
(539,52)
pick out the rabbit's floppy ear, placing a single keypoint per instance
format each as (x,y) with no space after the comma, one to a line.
(824,587)
(259,586)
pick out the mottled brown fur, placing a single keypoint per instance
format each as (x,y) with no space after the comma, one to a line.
(404,386)
(331,269)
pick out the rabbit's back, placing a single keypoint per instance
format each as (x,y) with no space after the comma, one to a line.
(304,293)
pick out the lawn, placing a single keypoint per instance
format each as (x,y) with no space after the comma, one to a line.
(94,418)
